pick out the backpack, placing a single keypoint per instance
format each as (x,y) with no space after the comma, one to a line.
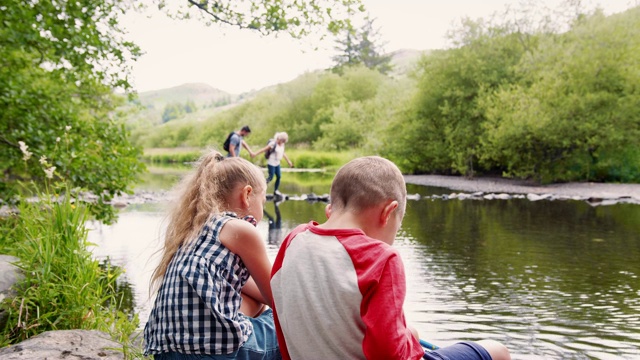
(225,146)
(270,149)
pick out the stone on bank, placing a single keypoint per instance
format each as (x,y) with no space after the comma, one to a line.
(65,344)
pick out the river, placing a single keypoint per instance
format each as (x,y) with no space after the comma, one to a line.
(549,279)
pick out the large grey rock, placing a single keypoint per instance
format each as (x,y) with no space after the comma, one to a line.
(65,344)
(9,275)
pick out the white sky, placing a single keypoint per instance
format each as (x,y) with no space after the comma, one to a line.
(179,52)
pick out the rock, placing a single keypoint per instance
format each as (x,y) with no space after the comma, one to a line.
(119,204)
(65,344)
(534,197)
(627,193)
(9,275)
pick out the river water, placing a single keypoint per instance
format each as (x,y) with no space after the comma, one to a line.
(549,279)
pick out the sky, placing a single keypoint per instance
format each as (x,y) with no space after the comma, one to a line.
(177,52)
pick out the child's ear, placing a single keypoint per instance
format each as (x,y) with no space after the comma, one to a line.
(388,211)
(246,194)
(327,210)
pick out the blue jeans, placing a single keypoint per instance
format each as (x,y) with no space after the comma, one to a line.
(274,170)
(261,345)
(460,351)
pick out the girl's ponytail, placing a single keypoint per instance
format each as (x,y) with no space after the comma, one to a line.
(200,195)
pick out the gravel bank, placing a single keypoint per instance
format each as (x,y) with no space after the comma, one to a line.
(510,186)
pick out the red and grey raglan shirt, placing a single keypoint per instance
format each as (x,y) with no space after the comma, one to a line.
(338,294)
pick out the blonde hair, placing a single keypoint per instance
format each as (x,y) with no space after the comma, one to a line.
(281,136)
(366,182)
(200,195)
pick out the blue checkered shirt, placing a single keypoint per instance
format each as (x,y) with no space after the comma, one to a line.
(197,307)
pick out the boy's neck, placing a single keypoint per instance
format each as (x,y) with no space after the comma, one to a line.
(365,221)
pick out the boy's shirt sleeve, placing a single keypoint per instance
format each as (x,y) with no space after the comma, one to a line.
(386,335)
(276,266)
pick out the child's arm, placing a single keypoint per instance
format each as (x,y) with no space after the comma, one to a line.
(253,304)
(244,240)
(387,335)
(252,290)
(262,150)
(287,158)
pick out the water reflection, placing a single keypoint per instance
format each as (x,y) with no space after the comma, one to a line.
(551,279)
(275,235)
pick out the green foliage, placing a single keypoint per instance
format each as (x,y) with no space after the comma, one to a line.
(64,287)
(323,110)
(575,118)
(445,119)
(174,110)
(166,156)
(554,103)
(297,18)
(59,64)
(306,159)
(171,111)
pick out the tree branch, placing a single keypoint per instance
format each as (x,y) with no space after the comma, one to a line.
(203,7)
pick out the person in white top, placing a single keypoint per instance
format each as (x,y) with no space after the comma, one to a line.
(276,153)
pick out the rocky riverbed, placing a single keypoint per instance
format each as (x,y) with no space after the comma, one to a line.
(469,188)
(462,188)
(501,188)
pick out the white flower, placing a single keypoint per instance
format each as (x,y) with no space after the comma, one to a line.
(49,172)
(58,139)
(67,128)
(26,154)
(43,160)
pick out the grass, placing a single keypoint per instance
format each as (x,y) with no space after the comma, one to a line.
(304,159)
(64,287)
(171,155)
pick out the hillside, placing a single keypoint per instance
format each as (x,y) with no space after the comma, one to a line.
(196,101)
(404,60)
(202,95)
(209,100)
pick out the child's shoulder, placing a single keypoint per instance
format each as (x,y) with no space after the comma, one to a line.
(237,225)
(238,236)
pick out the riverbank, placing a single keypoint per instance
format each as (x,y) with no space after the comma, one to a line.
(587,190)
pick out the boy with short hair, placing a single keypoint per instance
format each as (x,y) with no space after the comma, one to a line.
(350,277)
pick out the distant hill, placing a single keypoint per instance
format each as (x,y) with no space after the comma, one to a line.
(209,100)
(405,60)
(205,98)
(202,95)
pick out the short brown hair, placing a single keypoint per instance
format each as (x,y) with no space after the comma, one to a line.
(368,181)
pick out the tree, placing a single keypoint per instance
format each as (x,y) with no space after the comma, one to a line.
(61,64)
(445,122)
(575,116)
(361,47)
(298,18)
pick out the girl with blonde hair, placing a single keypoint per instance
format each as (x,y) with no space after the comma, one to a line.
(213,277)
(276,149)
